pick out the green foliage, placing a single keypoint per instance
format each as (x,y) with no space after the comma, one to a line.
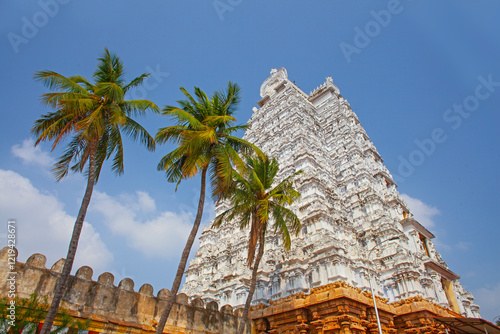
(93,115)
(27,313)
(254,201)
(203,132)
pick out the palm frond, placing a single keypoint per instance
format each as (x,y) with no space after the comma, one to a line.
(229,214)
(136,82)
(182,117)
(285,188)
(217,120)
(255,182)
(102,151)
(229,130)
(54,126)
(109,69)
(231,97)
(170,133)
(138,107)
(109,91)
(81,80)
(115,115)
(81,160)
(235,158)
(285,221)
(221,173)
(68,99)
(255,233)
(53,80)
(72,152)
(135,131)
(281,226)
(116,144)
(244,147)
(203,102)
(170,160)
(93,126)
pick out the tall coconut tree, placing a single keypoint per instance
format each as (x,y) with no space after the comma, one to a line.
(93,117)
(203,133)
(254,202)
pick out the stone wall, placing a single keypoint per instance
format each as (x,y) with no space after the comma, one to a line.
(338,308)
(116,309)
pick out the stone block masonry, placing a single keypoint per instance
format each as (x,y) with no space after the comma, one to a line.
(340,308)
(116,309)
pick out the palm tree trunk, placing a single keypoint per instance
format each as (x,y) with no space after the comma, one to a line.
(253,283)
(185,255)
(73,245)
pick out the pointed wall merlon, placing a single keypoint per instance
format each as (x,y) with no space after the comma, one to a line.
(102,301)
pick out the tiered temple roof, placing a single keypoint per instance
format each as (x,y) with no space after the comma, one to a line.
(354,221)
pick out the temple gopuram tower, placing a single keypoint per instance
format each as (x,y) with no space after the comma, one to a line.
(354,221)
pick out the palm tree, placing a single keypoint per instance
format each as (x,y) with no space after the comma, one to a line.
(94,116)
(254,201)
(205,144)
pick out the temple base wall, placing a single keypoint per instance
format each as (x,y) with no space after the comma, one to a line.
(339,308)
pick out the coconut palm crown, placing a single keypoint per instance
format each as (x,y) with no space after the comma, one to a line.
(94,114)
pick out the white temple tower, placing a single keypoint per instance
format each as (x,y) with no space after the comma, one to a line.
(349,207)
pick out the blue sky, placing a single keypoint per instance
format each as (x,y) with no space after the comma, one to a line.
(423,77)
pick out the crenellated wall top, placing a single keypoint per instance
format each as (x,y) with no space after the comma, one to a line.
(102,300)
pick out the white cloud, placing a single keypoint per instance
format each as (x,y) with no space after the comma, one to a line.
(422,212)
(31,155)
(44,227)
(488,300)
(146,203)
(162,236)
(425,214)
(464,245)
(140,201)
